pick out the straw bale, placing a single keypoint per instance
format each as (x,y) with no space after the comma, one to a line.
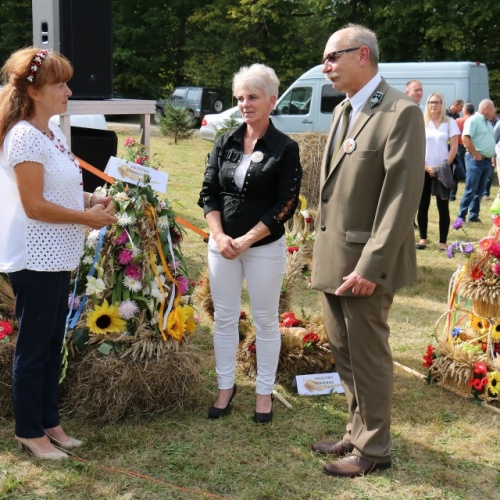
(311,147)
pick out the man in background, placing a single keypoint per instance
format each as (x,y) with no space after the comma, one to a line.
(455,109)
(415,91)
(459,166)
(479,142)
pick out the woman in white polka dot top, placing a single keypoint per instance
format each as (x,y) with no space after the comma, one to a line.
(43,215)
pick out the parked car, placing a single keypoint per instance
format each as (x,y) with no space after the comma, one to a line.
(199,101)
(211,123)
(85,121)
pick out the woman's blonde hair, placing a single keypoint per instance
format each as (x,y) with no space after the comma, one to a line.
(442,116)
(18,75)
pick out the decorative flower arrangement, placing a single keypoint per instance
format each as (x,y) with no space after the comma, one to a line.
(304,349)
(132,279)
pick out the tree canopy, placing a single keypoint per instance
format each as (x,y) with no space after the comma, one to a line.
(161,44)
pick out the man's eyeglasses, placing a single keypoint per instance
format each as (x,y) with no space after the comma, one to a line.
(333,56)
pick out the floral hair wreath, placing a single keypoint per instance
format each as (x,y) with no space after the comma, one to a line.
(36,63)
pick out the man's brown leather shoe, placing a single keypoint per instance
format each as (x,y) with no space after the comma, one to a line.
(335,448)
(353,466)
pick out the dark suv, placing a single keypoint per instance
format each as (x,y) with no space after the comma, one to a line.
(199,101)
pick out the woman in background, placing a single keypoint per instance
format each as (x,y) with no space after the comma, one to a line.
(441,145)
(251,188)
(45,213)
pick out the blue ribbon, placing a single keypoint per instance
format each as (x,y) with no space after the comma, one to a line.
(91,273)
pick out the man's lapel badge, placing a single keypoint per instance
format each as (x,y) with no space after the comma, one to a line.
(376,99)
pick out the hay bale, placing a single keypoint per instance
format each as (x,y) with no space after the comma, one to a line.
(6,360)
(294,358)
(311,147)
(106,388)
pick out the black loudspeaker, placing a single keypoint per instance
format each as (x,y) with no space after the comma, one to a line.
(82,31)
(95,146)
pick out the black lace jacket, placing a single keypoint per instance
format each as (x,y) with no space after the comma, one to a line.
(271,187)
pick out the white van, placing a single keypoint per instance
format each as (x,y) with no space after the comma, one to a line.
(308,103)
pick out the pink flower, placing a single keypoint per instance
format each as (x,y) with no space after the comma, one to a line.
(73,302)
(495,250)
(129,141)
(139,160)
(133,271)
(183,284)
(485,243)
(122,239)
(125,256)
(496,269)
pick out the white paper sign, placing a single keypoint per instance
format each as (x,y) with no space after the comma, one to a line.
(133,173)
(318,384)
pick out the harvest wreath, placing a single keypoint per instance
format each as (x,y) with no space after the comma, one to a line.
(466,357)
(130,319)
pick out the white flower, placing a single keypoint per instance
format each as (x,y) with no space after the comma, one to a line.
(125,219)
(155,288)
(163,222)
(128,309)
(88,259)
(132,284)
(93,238)
(120,197)
(95,286)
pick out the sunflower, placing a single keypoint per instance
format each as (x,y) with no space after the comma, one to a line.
(175,323)
(495,332)
(478,324)
(494,383)
(105,319)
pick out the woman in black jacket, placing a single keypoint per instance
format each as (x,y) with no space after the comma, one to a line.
(250,189)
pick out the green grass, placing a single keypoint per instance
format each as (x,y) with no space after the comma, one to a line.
(444,446)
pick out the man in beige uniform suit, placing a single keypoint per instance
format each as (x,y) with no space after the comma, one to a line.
(365,247)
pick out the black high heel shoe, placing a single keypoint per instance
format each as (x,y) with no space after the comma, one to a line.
(215,412)
(264,418)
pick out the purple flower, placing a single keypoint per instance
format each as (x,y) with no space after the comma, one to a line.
(125,256)
(467,249)
(133,272)
(458,223)
(450,253)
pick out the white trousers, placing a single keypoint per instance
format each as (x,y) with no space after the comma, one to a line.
(264,268)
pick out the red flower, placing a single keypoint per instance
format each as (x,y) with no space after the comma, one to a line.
(5,329)
(251,348)
(139,160)
(496,221)
(243,315)
(290,320)
(311,337)
(476,274)
(480,368)
(308,220)
(292,249)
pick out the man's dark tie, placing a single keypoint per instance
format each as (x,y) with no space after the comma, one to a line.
(343,130)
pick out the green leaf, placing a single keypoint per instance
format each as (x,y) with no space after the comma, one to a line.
(80,337)
(105,348)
